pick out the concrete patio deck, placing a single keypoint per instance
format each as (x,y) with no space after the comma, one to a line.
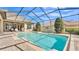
(9,43)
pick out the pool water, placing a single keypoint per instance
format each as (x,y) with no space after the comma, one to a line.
(45,40)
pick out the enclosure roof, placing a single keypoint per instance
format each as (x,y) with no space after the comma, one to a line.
(42,14)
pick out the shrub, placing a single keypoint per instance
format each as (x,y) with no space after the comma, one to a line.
(34,29)
(59,25)
(78,32)
(38,26)
(72,30)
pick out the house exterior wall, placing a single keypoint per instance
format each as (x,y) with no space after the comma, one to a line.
(1,23)
(7,24)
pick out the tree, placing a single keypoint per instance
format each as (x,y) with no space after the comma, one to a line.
(38,26)
(59,25)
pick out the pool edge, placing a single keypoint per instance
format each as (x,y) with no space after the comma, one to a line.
(66,45)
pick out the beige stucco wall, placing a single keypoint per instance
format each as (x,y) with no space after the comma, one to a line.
(1,23)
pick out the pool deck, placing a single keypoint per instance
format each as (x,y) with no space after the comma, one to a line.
(8,42)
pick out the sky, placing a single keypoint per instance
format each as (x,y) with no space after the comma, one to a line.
(48,10)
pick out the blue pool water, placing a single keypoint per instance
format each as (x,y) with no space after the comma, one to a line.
(45,41)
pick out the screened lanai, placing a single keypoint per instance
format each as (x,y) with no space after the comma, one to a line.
(46,16)
(20,23)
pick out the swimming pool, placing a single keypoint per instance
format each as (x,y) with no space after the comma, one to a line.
(44,40)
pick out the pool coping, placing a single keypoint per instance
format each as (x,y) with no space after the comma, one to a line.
(66,45)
